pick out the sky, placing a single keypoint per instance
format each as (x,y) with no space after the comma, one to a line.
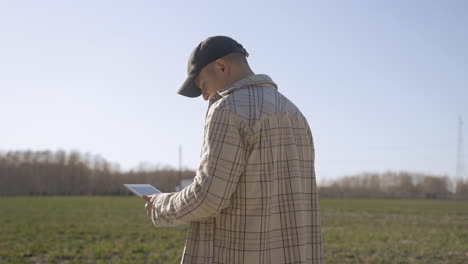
(381,83)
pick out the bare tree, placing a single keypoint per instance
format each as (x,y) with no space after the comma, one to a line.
(61,173)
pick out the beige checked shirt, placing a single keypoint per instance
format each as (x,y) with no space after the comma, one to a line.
(254,198)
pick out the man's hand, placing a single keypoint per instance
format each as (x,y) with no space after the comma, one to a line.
(149,204)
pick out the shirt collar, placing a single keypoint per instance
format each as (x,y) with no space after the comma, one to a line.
(256,79)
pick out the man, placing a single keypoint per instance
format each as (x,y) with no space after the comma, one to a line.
(254,198)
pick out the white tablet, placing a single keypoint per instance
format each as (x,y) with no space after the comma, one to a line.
(142,189)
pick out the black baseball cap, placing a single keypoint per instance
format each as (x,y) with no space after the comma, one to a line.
(206,52)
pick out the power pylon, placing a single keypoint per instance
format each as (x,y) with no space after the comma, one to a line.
(460,170)
(180,163)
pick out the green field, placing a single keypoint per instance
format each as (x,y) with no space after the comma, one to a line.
(117,230)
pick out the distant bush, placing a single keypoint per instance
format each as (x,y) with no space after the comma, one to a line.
(461,189)
(389,184)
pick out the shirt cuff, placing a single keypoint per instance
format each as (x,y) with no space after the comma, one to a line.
(159,201)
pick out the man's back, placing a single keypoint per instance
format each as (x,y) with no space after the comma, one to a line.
(253,198)
(270,212)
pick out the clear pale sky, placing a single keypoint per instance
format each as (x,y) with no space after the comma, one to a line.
(380,82)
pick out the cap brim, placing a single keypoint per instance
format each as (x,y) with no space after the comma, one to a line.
(189,88)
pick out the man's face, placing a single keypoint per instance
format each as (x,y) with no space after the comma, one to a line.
(210,80)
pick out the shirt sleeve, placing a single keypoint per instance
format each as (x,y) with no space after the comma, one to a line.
(222,163)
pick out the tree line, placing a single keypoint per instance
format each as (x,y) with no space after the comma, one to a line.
(401,185)
(73,173)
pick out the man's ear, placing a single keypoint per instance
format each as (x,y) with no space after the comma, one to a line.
(221,65)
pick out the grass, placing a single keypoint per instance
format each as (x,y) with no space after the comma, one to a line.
(395,231)
(117,230)
(84,230)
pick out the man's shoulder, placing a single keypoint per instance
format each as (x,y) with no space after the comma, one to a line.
(255,103)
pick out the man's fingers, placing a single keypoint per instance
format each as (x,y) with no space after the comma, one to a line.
(149,207)
(149,204)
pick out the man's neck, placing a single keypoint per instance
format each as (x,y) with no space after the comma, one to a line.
(240,76)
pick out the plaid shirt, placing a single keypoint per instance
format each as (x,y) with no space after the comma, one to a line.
(254,198)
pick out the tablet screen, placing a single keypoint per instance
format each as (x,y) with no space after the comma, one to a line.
(142,189)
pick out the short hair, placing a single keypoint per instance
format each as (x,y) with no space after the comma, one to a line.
(236,58)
